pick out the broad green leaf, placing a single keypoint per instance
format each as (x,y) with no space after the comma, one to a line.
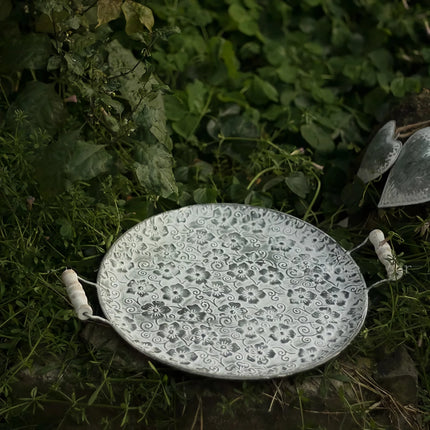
(298,183)
(381,59)
(131,71)
(151,115)
(66,228)
(275,52)
(54,63)
(197,96)
(317,137)
(86,161)
(108,10)
(175,108)
(137,16)
(237,12)
(248,27)
(42,106)
(261,91)
(154,170)
(398,86)
(67,160)
(413,84)
(205,195)
(324,95)
(287,72)
(228,55)
(74,63)
(245,22)
(187,125)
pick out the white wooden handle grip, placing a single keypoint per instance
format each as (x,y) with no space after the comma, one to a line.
(385,255)
(76,294)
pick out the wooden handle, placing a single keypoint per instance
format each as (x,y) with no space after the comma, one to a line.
(76,294)
(385,255)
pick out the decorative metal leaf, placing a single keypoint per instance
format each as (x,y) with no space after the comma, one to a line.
(409,180)
(381,153)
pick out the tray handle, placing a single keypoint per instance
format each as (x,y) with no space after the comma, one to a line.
(78,297)
(385,254)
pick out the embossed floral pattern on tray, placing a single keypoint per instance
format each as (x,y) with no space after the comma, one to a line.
(232,291)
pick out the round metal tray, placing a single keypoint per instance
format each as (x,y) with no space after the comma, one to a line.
(232,291)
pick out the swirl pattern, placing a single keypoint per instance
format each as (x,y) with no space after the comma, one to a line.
(232,291)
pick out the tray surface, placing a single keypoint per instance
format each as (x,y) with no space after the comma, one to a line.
(232,291)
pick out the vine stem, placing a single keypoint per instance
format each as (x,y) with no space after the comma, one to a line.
(255,178)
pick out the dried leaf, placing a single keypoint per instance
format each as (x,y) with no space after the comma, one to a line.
(108,10)
(137,16)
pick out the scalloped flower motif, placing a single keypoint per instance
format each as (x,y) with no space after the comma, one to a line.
(203,335)
(175,293)
(259,353)
(172,332)
(240,271)
(166,270)
(226,346)
(182,354)
(232,310)
(197,274)
(282,333)
(192,313)
(271,275)
(234,241)
(253,222)
(121,264)
(249,328)
(201,236)
(141,287)
(155,309)
(250,293)
(217,289)
(301,296)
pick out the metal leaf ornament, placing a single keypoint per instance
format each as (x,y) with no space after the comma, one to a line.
(409,180)
(381,153)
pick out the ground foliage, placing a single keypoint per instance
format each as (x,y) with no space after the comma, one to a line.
(114,110)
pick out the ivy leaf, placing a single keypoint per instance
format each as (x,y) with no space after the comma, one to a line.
(298,183)
(108,10)
(154,169)
(136,16)
(317,137)
(205,195)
